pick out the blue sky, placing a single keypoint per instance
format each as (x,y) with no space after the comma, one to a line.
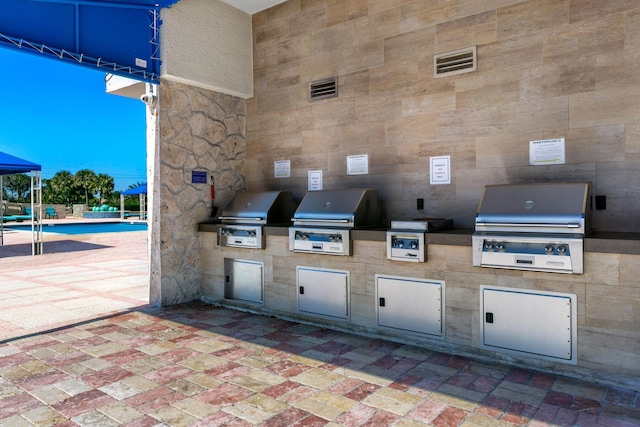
(58,115)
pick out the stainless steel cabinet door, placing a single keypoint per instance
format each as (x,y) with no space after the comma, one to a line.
(409,304)
(324,292)
(537,323)
(243,280)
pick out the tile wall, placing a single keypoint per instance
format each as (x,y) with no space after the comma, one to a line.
(546,69)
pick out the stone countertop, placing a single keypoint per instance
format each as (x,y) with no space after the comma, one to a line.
(600,241)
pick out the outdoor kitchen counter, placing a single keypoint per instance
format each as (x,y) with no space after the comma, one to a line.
(600,241)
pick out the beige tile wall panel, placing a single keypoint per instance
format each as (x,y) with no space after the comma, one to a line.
(468,31)
(613,307)
(308,20)
(629,270)
(346,10)
(507,150)
(414,44)
(558,78)
(376,26)
(588,10)
(599,144)
(420,14)
(532,16)
(632,29)
(586,38)
(618,69)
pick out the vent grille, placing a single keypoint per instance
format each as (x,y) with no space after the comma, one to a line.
(323,89)
(455,62)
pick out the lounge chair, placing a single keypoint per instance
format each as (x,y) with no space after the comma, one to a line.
(28,215)
(50,212)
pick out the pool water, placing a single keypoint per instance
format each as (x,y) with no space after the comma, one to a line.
(85,228)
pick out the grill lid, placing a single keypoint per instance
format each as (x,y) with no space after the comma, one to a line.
(547,207)
(260,208)
(339,208)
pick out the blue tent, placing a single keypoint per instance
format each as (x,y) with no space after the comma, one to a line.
(140,189)
(118,36)
(10,164)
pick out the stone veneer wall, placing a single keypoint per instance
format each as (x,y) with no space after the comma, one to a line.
(198,130)
(546,69)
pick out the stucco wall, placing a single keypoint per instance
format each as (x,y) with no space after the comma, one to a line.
(198,130)
(207,44)
(546,69)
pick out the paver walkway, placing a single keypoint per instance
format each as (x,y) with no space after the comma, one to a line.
(198,365)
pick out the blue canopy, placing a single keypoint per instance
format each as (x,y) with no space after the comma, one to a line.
(10,164)
(119,36)
(140,189)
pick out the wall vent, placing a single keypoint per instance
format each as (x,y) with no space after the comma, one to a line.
(455,62)
(323,89)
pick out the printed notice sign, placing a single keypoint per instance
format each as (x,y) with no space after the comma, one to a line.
(315,180)
(282,169)
(358,165)
(440,170)
(546,152)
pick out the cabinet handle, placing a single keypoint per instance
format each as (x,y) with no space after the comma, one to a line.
(488,317)
(301,290)
(381,302)
(226,278)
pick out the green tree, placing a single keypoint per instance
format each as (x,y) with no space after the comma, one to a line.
(104,185)
(17,186)
(87,180)
(63,188)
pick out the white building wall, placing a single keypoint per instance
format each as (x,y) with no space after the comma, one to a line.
(208,44)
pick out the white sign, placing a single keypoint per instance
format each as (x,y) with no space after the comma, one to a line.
(358,165)
(282,169)
(440,170)
(315,180)
(546,152)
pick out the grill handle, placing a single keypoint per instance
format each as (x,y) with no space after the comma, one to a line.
(239,218)
(320,220)
(512,224)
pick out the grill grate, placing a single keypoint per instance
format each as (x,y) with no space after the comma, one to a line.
(455,62)
(323,89)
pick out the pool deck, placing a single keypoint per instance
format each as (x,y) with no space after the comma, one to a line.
(77,278)
(79,346)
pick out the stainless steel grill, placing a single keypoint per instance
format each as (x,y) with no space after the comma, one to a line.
(323,221)
(539,227)
(245,216)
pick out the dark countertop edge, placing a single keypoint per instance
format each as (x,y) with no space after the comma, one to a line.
(600,241)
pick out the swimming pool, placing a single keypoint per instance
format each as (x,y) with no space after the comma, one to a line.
(85,228)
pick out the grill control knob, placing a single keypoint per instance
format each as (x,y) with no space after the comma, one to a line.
(488,245)
(413,244)
(561,249)
(401,244)
(548,249)
(500,246)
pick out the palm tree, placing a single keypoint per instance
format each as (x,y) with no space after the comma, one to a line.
(86,179)
(104,185)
